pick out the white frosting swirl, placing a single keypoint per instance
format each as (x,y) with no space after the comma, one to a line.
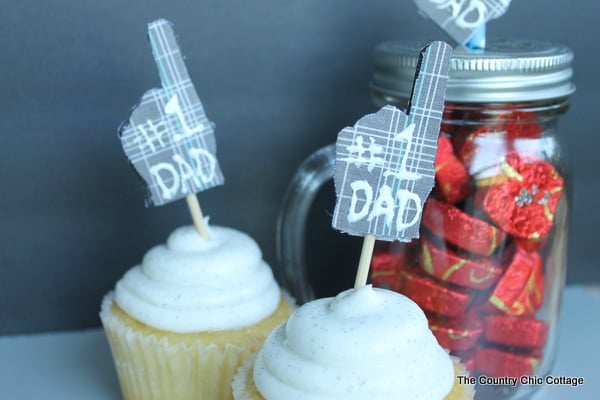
(192,284)
(365,343)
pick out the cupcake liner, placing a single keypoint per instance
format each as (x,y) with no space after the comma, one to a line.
(242,385)
(460,391)
(154,365)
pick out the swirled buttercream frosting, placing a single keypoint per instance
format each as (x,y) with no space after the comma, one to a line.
(365,343)
(193,284)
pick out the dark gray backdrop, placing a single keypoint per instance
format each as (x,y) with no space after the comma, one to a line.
(279,78)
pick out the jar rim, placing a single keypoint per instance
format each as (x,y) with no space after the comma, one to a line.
(508,70)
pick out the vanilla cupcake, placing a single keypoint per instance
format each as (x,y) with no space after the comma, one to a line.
(365,343)
(182,322)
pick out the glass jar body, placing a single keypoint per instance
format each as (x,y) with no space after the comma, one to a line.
(489,266)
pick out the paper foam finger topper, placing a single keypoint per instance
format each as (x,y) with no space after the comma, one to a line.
(385,163)
(462,19)
(168,138)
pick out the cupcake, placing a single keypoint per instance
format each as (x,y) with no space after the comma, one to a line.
(365,343)
(182,322)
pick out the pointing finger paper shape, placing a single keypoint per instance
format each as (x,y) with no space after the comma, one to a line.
(385,163)
(168,138)
(461,19)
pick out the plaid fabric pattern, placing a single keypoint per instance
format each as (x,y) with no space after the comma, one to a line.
(168,138)
(385,163)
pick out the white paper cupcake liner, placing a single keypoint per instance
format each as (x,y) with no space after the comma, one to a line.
(152,367)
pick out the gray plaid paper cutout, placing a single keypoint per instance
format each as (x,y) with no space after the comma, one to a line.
(384,167)
(168,138)
(462,18)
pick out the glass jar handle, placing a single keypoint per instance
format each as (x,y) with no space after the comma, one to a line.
(291,264)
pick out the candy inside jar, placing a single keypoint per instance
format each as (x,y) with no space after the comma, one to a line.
(490,240)
(489,266)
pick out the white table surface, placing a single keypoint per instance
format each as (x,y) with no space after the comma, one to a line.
(78,365)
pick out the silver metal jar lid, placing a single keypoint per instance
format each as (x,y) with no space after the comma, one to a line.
(507,71)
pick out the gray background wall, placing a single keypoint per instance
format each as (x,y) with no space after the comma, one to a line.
(279,78)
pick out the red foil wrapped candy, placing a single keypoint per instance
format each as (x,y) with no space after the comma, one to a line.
(456,334)
(514,331)
(452,179)
(514,281)
(448,266)
(495,362)
(530,299)
(481,150)
(524,206)
(461,229)
(385,270)
(433,296)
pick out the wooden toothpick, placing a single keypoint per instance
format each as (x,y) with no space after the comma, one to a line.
(197,217)
(365,261)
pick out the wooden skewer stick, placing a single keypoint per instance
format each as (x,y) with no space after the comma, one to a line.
(197,217)
(365,261)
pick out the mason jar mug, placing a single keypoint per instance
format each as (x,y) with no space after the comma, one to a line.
(489,267)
